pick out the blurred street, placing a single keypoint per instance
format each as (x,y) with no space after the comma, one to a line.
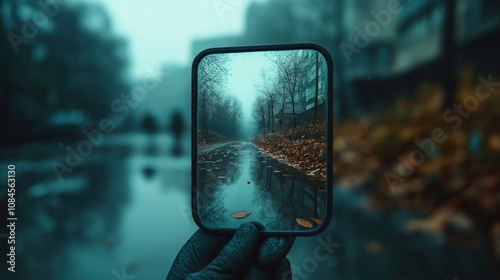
(416,137)
(240,177)
(127,209)
(121,208)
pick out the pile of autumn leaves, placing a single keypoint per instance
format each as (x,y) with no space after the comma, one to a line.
(457,186)
(303,148)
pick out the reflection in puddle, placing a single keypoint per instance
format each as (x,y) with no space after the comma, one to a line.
(149,172)
(237,178)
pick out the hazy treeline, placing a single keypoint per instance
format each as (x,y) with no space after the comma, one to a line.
(61,66)
(278,94)
(219,112)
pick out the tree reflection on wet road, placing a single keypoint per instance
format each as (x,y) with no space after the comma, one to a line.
(239,177)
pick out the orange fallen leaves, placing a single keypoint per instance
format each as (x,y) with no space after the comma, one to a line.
(240,214)
(304,147)
(304,222)
(318,221)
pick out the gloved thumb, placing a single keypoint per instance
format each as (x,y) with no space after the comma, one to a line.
(235,258)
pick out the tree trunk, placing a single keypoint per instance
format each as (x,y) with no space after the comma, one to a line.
(269,117)
(272,116)
(316,93)
(264,121)
(282,111)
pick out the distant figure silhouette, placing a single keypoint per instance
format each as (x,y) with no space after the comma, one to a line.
(177,127)
(149,124)
(149,172)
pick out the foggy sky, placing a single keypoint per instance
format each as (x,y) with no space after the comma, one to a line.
(161,31)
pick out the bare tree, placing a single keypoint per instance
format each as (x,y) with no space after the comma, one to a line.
(212,77)
(291,71)
(233,116)
(259,112)
(269,88)
(316,92)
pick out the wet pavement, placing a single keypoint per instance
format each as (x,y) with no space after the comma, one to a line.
(125,210)
(239,177)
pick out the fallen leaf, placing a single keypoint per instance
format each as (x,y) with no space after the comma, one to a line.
(321,190)
(249,182)
(288,175)
(373,247)
(202,168)
(240,214)
(221,177)
(304,222)
(277,171)
(318,221)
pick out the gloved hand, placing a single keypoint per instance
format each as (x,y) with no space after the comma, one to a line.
(242,256)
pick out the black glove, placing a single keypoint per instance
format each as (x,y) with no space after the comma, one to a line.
(242,256)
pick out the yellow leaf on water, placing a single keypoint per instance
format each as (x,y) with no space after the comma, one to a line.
(288,175)
(321,190)
(373,247)
(221,177)
(240,214)
(318,221)
(304,223)
(202,168)
(219,160)
(277,171)
(209,170)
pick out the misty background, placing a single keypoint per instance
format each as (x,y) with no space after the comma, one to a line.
(95,115)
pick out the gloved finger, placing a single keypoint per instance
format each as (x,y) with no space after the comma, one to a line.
(197,253)
(282,271)
(273,250)
(235,258)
